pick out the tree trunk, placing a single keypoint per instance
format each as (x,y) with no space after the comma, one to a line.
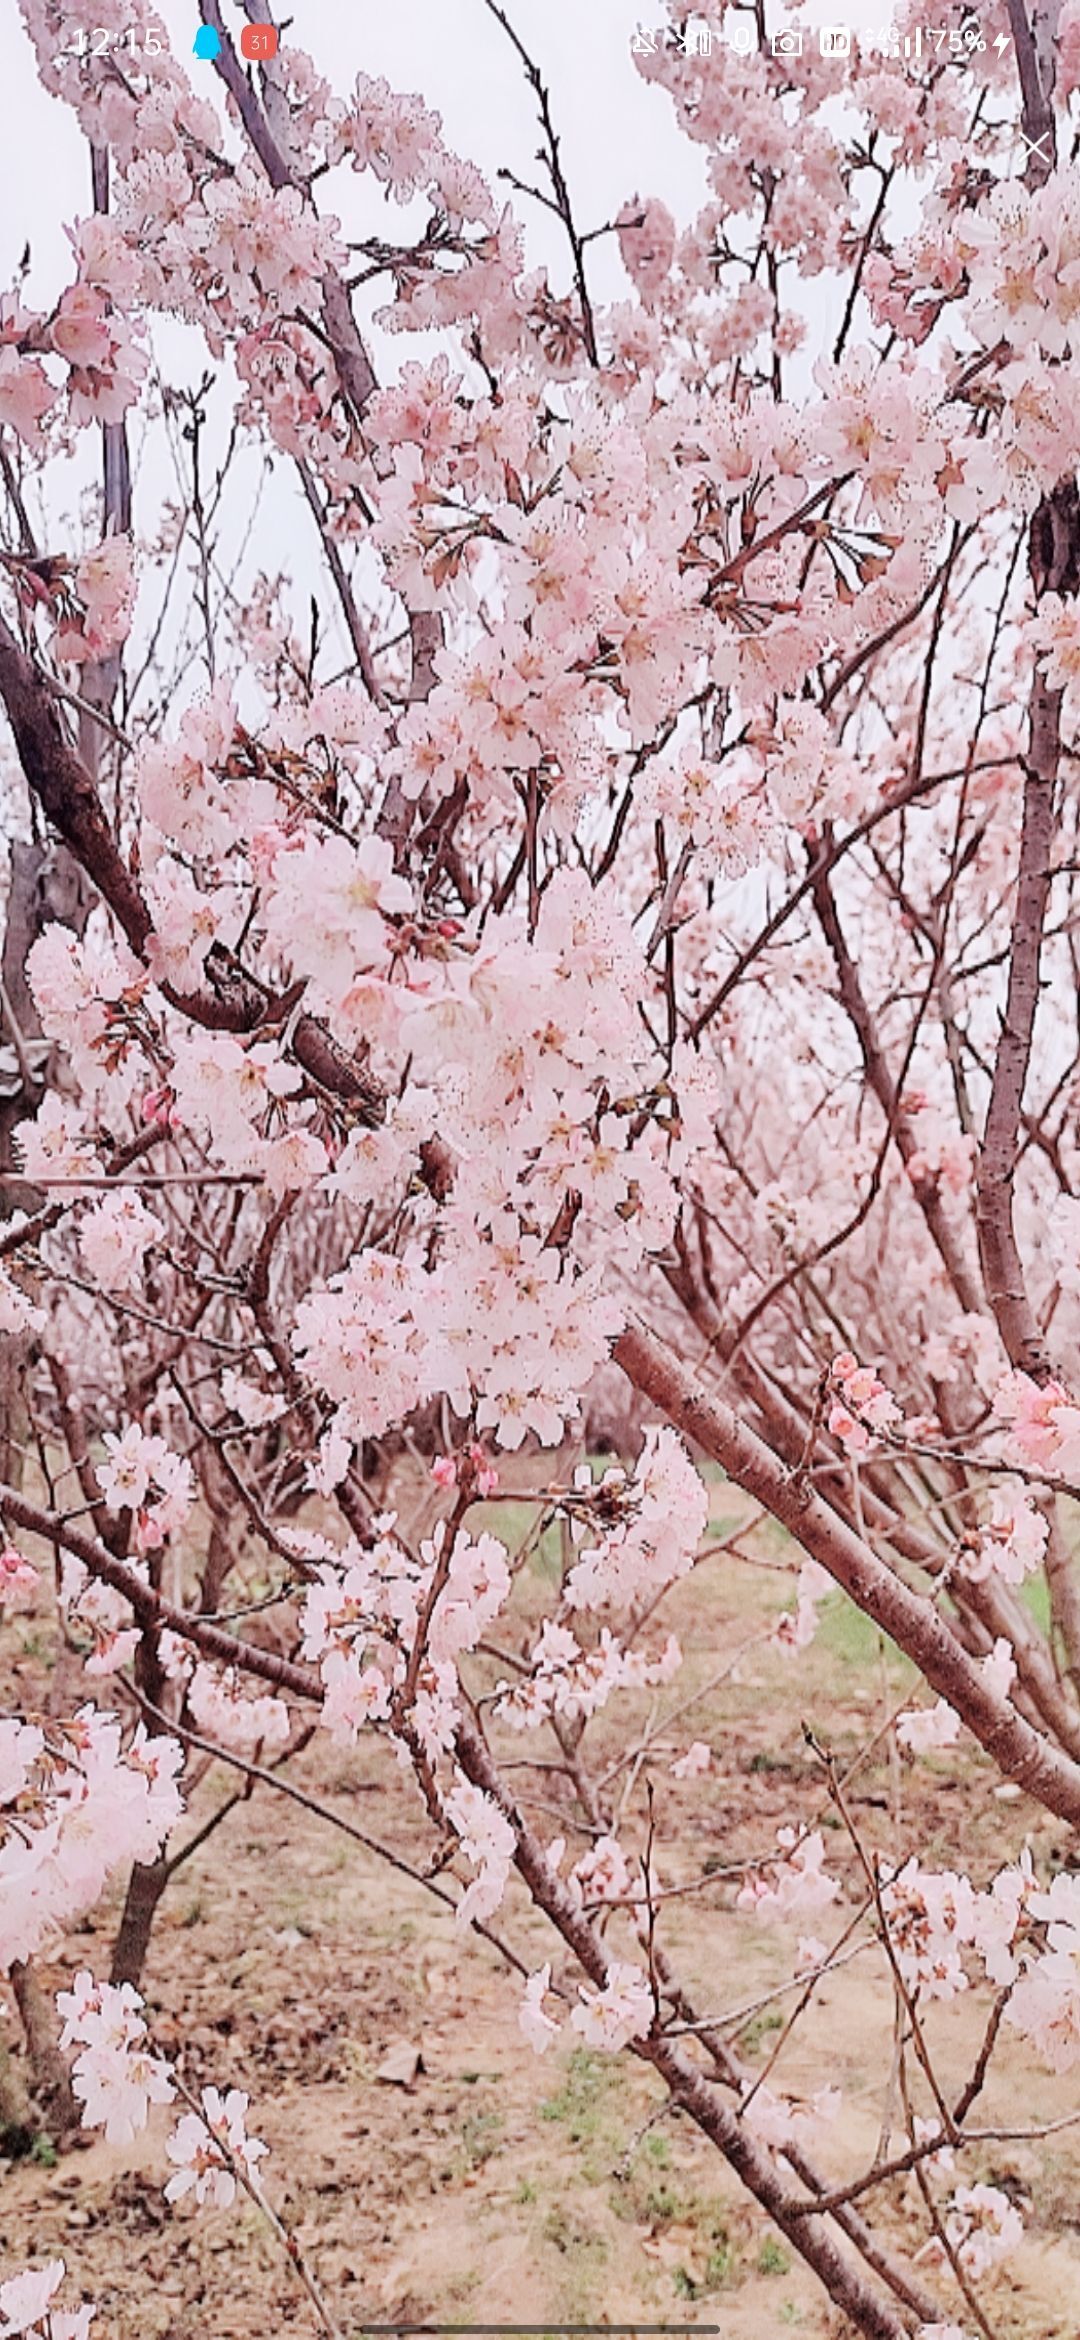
(146,1885)
(49,2075)
(17,2124)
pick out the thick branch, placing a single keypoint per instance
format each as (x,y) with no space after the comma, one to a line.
(63,787)
(913,1622)
(149,1607)
(1055,568)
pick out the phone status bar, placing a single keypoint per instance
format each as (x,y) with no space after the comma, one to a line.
(950,44)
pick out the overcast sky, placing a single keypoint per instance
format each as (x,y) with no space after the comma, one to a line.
(617,133)
(618,140)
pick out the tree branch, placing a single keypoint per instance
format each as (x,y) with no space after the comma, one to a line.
(911,1621)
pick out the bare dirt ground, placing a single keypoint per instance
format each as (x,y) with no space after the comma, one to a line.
(288,1962)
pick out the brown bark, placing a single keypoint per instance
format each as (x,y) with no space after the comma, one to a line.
(999,1252)
(146,1885)
(62,786)
(986,1611)
(50,2078)
(17,2125)
(1054,563)
(910,1620)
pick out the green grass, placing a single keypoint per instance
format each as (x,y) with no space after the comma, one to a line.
(481,2136)
(573,2235)
(854,1640)
(759,2029)
(513,1523)
(581,2104)
(1035,1595)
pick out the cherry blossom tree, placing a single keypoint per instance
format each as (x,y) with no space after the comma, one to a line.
(633,933)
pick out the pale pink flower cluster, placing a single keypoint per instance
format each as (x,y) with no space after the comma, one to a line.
(1068,47)
(356,1612)
(786,2120)
(523,1330)
(142,1474)
(17,1576)
(983,2226)
(477,1586)
(496,1316)
(657,1519)
(931,1917)
(238,1098)
(254,1406)
(925,1729)
(105,589)
(623,2010)
(87,1805)
(602,1873)
(107,365)
(695,1763)
(862,1406)
(944,1156)
(797,1627)
(395,137)
(362,1614)
(487,1840)
(535,2024)
(446,1470)
(27,2312)
(115,2074)
(1021,248)
(646,244)
(81,987)
(1013,1542)
(795,1884)
(188,920)
(115,1237)
(208,2148)
(370,1339)
(331,909)
(1044,1433)
(255,1728)
(723,810)
(18,1313)
(1044,2005)
(104,1612)
(185,798)
(55,1145)
(569,1680)
(26,396)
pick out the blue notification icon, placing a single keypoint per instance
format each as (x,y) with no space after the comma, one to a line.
(207,42)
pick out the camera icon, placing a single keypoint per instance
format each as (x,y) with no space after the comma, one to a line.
(835,40)
(787,43)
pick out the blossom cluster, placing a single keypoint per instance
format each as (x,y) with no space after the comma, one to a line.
(85,1804)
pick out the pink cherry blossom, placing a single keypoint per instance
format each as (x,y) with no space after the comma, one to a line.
(621,2011)
(795,1884)
(208,2146)
(535,2024)
(16,1575)
(932,1727)
(983,2226)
